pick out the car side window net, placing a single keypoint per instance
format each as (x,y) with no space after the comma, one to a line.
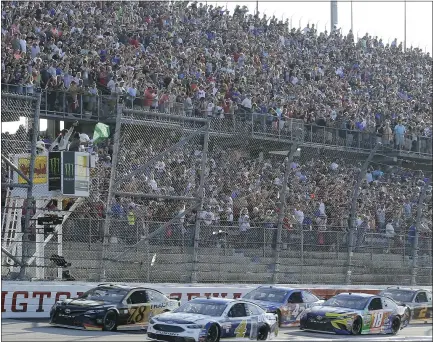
(375,304)
(137,297)
(238,310)
(295,298)
(421,297)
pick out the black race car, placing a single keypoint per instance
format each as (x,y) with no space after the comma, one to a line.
(110,306)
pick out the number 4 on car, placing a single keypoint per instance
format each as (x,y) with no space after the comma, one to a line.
(109,307)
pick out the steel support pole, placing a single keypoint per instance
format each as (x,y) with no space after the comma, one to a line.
(201,199)
(353,211)
(26,228)
(416,237)
(153,196)
(110,195)
(13,257)
(281,213)
(16,185)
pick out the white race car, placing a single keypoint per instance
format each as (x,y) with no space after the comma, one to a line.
(212,319)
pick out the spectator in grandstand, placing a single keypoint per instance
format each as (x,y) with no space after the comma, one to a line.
(61,143)
(199,59)
(40,147)
(154,54)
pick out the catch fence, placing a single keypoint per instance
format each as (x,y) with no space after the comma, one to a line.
(307,254)
(187,199)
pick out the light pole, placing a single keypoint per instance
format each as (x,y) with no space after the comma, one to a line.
(351,15)
(291,21)
(326,25)
(300,19)
(317,26)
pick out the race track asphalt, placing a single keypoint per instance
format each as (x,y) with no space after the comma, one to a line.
(38,331)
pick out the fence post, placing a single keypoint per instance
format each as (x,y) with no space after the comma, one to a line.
(110,195)
(353,211)
(416,237)
(200,208)
(281,213)
(26,228)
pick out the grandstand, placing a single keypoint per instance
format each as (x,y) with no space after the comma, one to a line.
(205,129)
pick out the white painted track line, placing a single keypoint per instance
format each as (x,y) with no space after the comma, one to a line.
(38,331)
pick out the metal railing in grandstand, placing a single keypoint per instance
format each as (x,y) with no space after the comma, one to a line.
(63,105)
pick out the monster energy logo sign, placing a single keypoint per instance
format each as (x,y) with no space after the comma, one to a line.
(68,170)
(55,166)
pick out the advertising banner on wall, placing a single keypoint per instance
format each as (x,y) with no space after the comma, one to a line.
(40,171)
(56,174)
(82,174)
(54,171)
(68,173)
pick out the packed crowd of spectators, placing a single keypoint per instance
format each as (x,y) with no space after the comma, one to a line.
(242,194)
(215,63)
(157,55)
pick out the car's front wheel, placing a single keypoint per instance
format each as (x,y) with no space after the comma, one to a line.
(213,334)
(110,321)
(263,333)
(395,325)
(357,326)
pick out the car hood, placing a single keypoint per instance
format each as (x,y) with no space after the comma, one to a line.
(181,318)
(323,310)
(85,303)
(266,305)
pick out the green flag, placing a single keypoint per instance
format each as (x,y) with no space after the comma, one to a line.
(102,131)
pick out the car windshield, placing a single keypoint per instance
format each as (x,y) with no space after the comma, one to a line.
(208,309)
(266,295)
(105,294)
(347,301)
(398,295)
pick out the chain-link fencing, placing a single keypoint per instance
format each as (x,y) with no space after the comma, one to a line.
(387,213)
(157,181)
(16,107)
(148,225)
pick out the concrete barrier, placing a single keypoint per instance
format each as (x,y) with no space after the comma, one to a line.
(35,299)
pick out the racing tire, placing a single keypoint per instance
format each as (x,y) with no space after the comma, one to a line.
(395,325)
(213,334)
(110,321)
(357,326)
(263,333)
